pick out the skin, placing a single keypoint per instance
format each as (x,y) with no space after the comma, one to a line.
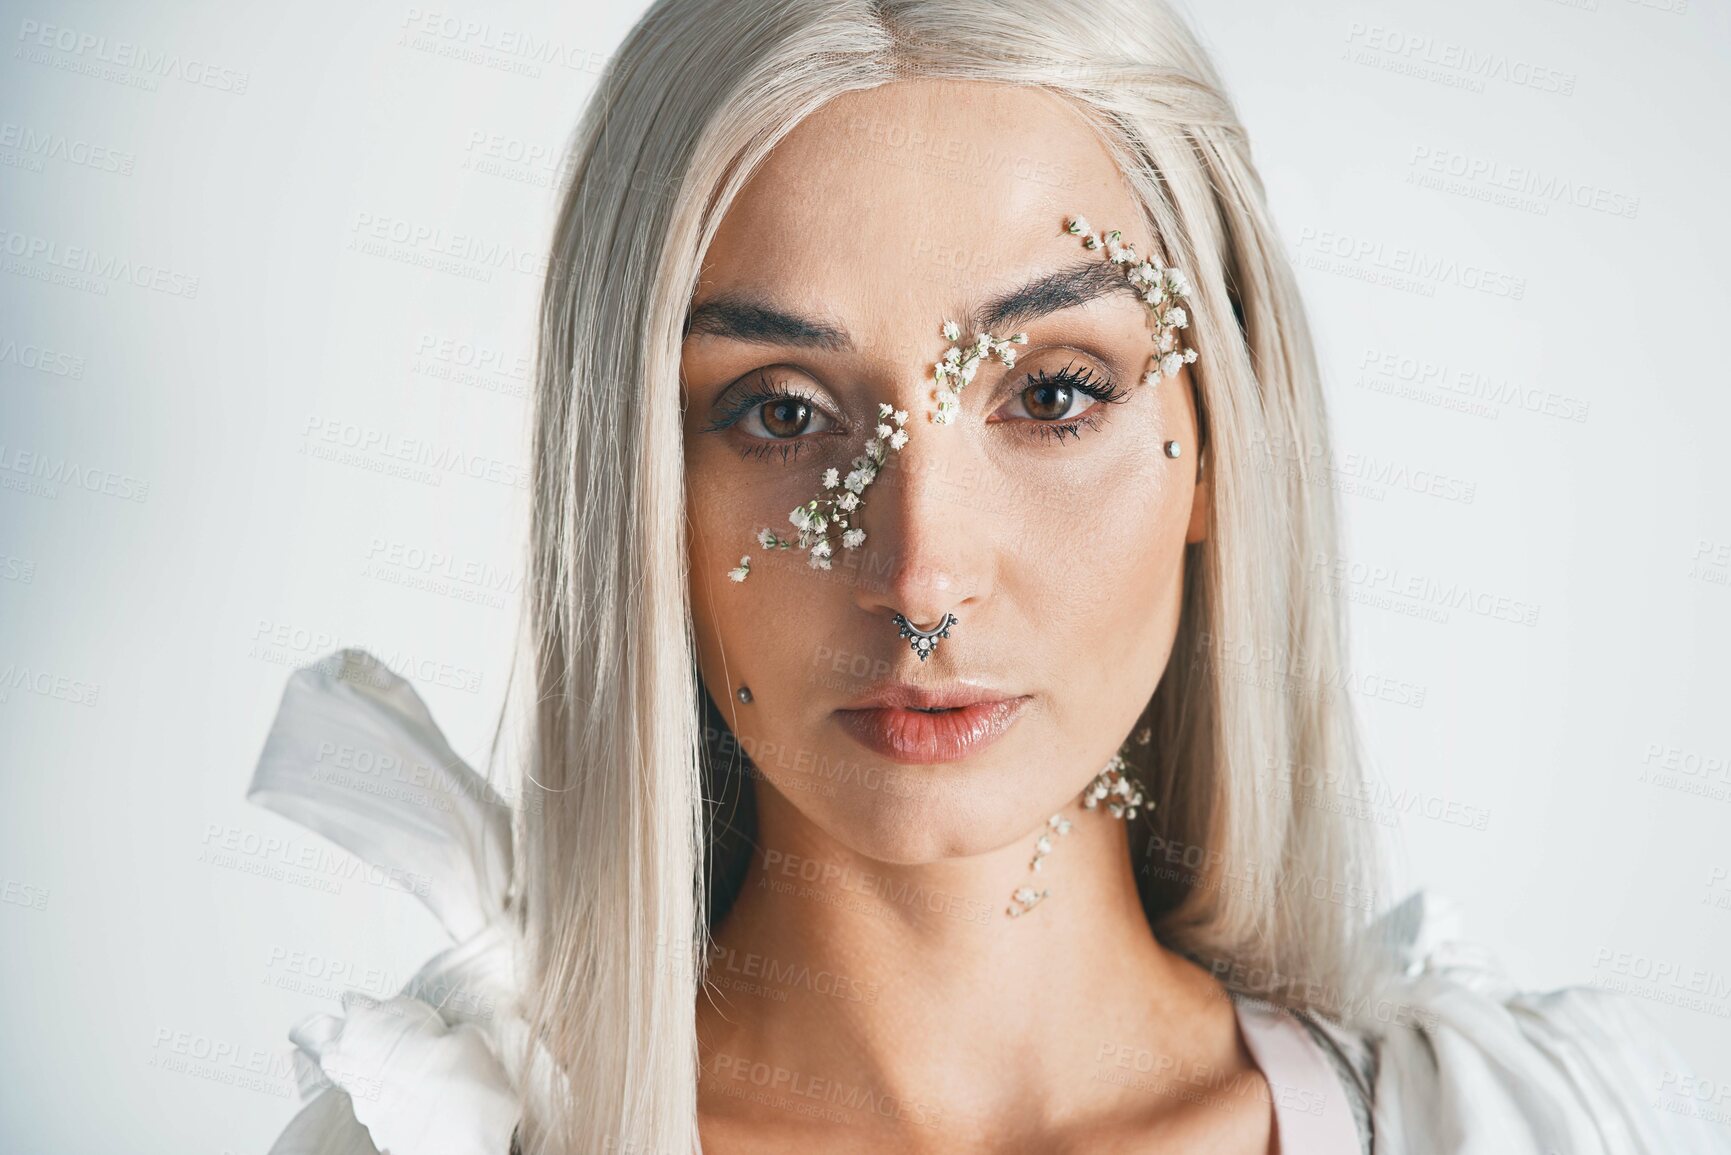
(869,953)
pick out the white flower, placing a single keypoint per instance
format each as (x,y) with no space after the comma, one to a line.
(852,538)
(952,331)
(1170,363)
(901,417)
(848,502)
(884,431)
(800,517)
(766,538)
(857,480)
(898,439)
(830,478)
(1177,317)
(738,572)
(1079,225)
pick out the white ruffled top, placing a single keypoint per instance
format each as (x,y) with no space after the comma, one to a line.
(1483,1068)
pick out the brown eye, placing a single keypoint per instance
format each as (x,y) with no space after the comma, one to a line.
(776,413)
(1049,401)
(786,417)
(1070,394)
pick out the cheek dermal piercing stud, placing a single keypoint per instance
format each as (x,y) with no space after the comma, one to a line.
(1173,449)
(923,642)
(745,694)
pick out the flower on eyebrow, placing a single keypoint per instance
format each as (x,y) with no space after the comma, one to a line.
(952,374)
(1163,289)
(838,506)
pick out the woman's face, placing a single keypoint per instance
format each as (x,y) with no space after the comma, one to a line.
(1048,521)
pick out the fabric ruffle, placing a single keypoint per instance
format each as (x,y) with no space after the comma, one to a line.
(355,756)
(1475,1066)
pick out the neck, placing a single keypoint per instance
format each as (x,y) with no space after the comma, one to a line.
(911,983)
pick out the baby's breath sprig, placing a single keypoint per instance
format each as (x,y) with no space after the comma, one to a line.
(959,365)
(1122,796)
(1164,290)
(1116,788)
(839,506)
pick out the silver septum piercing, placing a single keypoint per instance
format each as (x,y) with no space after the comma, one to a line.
(923,642)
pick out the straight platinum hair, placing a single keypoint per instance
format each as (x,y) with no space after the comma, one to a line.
(1258,871)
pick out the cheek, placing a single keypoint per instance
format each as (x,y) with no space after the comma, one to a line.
(761,632)
(1105,573)
(727,500)
(715,541)
(1112,589)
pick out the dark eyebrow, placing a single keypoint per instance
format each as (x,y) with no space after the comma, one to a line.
(1073,285)
(749,319)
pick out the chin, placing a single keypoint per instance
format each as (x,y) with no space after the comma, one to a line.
(908,816)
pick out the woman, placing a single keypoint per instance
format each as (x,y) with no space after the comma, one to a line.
(922,655)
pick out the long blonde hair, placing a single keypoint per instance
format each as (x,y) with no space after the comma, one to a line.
(1252,731)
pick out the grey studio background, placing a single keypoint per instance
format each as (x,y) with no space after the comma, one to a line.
(263,263)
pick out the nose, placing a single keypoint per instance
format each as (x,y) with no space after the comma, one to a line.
(928,550)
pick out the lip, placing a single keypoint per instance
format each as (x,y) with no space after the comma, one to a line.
(903,734)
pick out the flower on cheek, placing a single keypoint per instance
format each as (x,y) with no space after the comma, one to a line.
(831,509)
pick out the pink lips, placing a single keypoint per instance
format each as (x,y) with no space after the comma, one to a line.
(915,737)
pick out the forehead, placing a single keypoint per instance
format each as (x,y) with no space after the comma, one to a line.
(920,192)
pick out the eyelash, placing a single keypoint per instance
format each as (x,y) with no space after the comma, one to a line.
(766,392)
(1102,389)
